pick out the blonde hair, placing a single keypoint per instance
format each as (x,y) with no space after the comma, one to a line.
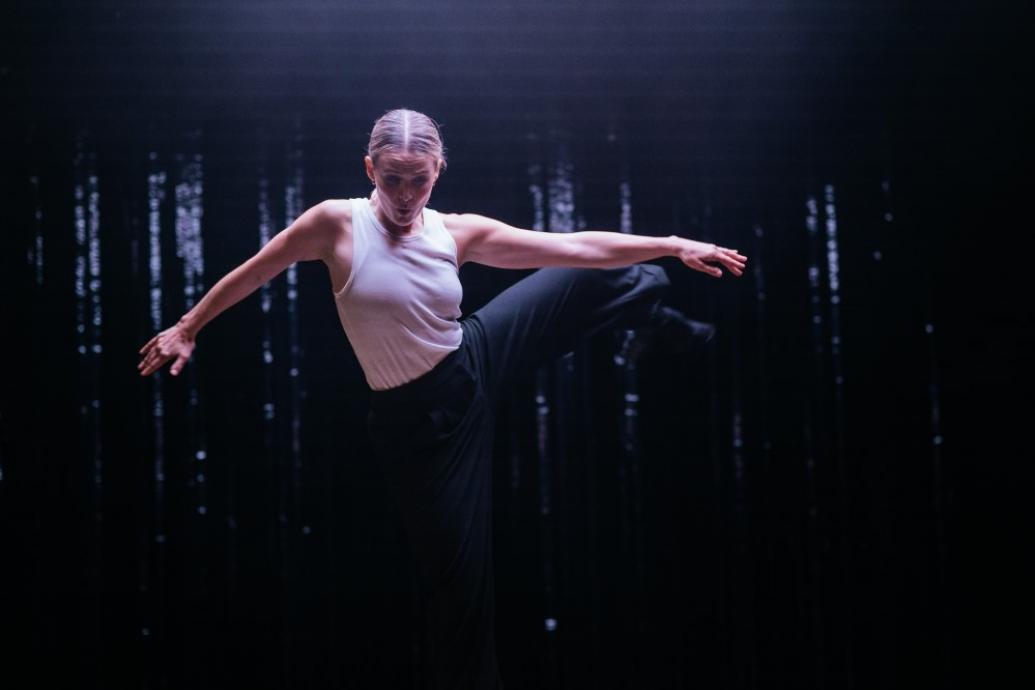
(406,131)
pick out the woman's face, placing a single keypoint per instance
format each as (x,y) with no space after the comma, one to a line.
(404,183)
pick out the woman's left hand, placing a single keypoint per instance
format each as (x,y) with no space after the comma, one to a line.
(707,258)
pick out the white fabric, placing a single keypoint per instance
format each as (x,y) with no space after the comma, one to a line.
(401,304)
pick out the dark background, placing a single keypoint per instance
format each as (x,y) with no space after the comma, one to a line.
(772,528)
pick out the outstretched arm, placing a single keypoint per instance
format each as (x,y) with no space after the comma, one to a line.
(490,242)
(310,237)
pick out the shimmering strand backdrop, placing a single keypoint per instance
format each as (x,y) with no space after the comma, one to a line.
(790,507)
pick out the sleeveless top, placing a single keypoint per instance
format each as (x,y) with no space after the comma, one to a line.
(401,303)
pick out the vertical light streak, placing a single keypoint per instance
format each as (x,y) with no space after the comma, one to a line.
(538,195)
(538,198)
(762,338)
(629,475)
(156,193)
(288,435)
(935,420)
(625,223)
(834,282)
(560,200)
(293,207)
(813,406)
(560,189)
(737,452)
(818,348)
(190,250)
(556,212)
(934,400)
(543,441)
(833,272)
(271,446)
(89,319)
(266,304)
(815,298)
(156,182)
(560,215)
(89,314)
(35,254)
(279,542)
(887,219)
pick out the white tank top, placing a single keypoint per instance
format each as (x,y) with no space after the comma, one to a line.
(401,304)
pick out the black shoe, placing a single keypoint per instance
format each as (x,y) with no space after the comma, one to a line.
(671,332)
(680,333)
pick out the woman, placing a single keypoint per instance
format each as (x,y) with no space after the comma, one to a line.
(434,377)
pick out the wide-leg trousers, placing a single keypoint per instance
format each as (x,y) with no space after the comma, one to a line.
(434,437)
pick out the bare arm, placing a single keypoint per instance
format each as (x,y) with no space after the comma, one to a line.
(310,237)
(490,242)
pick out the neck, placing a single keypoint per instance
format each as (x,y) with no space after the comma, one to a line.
(417,224)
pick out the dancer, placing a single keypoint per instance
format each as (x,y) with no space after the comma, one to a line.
(434,376)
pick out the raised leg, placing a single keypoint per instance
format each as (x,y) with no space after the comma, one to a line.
(543,315)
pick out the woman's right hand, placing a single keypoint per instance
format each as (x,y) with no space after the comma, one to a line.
(175,342)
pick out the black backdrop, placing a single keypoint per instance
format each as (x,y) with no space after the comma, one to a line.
(833,496)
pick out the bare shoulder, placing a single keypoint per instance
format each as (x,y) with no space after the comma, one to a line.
(333,214)
(333,218)
(469,230)
(467,222)
(464,219)
(317,233)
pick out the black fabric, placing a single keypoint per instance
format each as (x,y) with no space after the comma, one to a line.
(434,436)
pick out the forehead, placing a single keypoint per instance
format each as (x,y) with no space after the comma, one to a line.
(405,163)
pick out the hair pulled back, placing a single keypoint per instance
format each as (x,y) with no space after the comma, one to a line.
(406,131)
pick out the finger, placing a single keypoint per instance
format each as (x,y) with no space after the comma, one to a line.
(730,259)
(734,258)
(147,345)
(735,266)
(732,253)
(706,268)
(717,263)
(177,365)
(150,357)
(153,363)
(155,352)
(713,271)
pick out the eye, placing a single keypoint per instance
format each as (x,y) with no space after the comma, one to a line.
(391,180)
(420,181)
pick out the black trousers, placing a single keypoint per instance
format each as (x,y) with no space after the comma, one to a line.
(434,437)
